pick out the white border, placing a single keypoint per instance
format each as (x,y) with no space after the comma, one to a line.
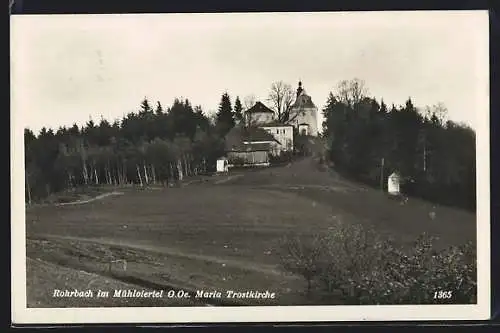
(22,315)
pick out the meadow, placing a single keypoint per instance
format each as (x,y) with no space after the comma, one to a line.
(218,233)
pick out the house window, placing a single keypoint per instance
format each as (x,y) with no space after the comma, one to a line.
(277,131)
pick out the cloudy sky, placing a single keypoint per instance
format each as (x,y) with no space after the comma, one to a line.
(67,68)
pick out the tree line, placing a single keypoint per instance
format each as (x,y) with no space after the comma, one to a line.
(368,140)
(151,146)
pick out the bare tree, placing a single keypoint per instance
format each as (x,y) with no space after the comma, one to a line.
(351,92)
(440,111)
(281,98)
(249,101)
(343,92)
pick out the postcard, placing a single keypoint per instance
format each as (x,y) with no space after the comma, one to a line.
(250,167)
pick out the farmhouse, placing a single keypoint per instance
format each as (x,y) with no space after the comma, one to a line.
(250,145)
(260,116)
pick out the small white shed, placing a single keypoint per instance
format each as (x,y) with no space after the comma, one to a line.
(393,182)
(222,165)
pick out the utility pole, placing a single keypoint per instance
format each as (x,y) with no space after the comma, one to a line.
(425,156)
(382,175)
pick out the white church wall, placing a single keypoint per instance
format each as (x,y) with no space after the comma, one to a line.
(284,134)
(307,116)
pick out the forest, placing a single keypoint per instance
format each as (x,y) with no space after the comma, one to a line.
(151,146)
(366,139)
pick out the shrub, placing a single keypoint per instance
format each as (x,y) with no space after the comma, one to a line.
(302,257)
(236,161)
(354,265)
(282,158)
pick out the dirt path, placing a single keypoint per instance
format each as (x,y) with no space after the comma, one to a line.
(243,265)
(99,197)
(228,179)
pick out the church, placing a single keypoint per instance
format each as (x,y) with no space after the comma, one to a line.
(303,115)
(260,134)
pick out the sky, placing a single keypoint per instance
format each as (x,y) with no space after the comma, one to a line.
(68,69)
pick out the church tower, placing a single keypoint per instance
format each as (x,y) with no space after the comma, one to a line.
(303,114)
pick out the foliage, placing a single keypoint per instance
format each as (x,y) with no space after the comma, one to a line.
(281,97)
(437,156)
(236,161)
(303,257)
(283,157)
(354,265)
(147,147)
(238,109)
(225,116)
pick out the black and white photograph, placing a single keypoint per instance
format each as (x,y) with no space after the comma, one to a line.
(255,167)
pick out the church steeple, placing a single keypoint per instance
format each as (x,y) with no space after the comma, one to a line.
(299,89)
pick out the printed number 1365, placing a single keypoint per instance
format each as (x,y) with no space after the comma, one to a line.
(442,294)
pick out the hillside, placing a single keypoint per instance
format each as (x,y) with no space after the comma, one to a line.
(223,232)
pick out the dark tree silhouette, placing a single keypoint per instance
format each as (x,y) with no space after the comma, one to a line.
(436,158)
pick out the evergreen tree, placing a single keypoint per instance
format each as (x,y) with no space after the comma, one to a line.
(225,117)
(436,160)
(238,109)
(159,108)
(383,106)
(145,107)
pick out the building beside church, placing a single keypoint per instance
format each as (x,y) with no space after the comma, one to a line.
(261,135)
(259,114)
(249,146)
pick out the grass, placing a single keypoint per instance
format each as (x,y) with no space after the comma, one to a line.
(225,235)
(45,277)
(354,202)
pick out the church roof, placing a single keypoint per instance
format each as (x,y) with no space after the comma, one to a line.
(303,100)
(259,108)
(239,134)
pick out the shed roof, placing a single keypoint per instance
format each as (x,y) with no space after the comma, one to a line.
(259,107)
(266,146)
(239,134)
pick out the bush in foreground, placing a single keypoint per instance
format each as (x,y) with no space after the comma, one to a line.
(354,265)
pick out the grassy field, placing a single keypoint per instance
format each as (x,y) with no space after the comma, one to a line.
(220,234)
